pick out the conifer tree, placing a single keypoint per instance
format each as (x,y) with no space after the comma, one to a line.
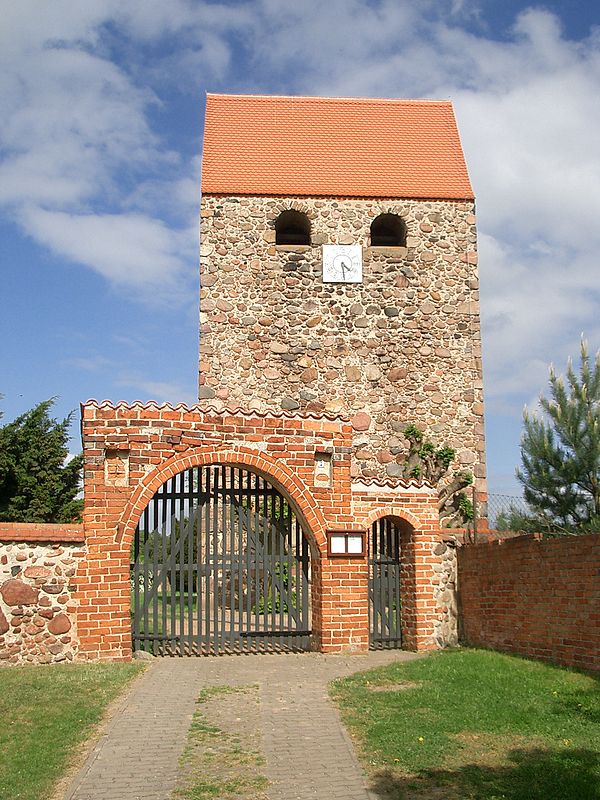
(560,453)
(36,483)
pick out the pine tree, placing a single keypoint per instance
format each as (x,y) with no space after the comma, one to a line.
(560,453)
(36,485)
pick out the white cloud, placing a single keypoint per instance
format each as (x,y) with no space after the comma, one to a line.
(72,120)
(173,197)
(534,304)
(130,250)
(160,391)
(94,363)
(75,143)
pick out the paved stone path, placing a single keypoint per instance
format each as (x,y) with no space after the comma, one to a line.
(308,752)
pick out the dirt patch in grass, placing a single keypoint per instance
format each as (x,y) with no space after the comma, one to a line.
(393,687)
(487,750)
(223,755)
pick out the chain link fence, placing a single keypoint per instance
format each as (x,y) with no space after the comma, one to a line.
(506,516)
(502,513)
(500,506)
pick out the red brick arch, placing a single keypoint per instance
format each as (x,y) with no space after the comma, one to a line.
(274,471)
(392,511)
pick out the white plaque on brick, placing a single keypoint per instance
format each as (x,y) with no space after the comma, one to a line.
(355,544)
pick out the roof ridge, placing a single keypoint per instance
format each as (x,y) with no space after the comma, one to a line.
(340,98)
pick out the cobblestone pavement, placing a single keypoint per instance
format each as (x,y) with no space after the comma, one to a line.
(308,752)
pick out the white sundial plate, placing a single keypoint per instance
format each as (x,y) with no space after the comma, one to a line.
(342,263)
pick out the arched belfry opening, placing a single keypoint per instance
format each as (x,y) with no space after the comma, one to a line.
(220,563)
(388,230)
(292,227)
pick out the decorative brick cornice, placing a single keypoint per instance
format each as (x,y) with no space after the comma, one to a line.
(371,484)
(210,410)
(237,411)
(123,404)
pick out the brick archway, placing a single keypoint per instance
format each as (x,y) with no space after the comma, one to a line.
(104,585)
(396,512)
(276,473)
(131,451)
(391,532)
(415,562)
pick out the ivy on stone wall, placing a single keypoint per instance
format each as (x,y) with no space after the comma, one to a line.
(429,463)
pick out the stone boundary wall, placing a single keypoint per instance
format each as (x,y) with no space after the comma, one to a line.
(38,608)
(536,597)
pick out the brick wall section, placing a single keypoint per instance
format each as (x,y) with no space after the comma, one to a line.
(38,608)
(536,597)
(132,450)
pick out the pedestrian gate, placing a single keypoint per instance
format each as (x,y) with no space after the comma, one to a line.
(385,630)
(219,564)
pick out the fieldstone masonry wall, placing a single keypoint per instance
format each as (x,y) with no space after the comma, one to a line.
(446,626)
(37,602)
(402,347)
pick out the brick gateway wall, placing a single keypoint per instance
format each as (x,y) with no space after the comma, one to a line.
(131,450)
(535,597)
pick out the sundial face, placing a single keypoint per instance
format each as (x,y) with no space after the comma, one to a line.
(342,263)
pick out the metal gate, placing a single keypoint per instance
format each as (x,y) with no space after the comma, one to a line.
(219,564)
(384,586)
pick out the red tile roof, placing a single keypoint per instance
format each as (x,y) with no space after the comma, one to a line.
(332,146)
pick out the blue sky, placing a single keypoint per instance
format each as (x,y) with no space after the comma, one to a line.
(100,148)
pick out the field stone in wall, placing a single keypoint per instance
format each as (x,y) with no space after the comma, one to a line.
(446,627)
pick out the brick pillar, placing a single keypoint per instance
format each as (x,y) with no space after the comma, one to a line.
(408,589)
(419,578)
(344,605)
(104,591)
(426,608)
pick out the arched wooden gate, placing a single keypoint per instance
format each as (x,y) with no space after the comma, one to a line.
(219,564)
(385,618)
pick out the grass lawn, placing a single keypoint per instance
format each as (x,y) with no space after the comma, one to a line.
(45,713)
(475,724)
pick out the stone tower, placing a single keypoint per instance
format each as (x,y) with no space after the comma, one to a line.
(339,271)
